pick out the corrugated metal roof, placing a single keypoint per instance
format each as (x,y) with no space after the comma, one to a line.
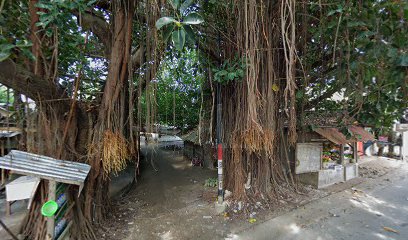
(333,134)
(361,134)
(8,134)
(46,167)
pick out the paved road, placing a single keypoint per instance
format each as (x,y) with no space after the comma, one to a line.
(359,213)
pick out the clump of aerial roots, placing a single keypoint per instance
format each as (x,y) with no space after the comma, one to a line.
(115,152)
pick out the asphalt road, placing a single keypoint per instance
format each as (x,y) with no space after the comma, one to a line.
(376,209)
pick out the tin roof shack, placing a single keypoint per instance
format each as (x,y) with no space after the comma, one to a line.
(194,150)
(60,174)
(327,156)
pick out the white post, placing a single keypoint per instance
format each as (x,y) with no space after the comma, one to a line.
(404,147)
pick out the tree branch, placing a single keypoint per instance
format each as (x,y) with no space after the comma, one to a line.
(25,82)
(329,93)
(98,26)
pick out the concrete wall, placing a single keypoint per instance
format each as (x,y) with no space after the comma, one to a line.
(350,171)
(203,152)
(326,177)
(404,152)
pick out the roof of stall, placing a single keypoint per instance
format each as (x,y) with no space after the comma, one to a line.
(332,134)
(361,134)
(46,167)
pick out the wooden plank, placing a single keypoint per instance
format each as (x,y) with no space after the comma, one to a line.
(11,129)
(355,152)
(52,185)
(341,154)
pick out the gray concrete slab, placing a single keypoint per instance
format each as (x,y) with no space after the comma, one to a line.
(360,213)
(13,222)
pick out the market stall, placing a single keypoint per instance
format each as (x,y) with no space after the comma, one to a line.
(60,175)
(328,156)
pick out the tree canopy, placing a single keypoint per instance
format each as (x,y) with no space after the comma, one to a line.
(100,70)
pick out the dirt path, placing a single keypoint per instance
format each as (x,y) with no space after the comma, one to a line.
(169,203)
(174,185)
(164,202)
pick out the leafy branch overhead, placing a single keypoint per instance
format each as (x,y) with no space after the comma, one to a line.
(230,70)
(179,27)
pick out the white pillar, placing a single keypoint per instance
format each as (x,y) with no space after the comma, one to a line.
(404,147)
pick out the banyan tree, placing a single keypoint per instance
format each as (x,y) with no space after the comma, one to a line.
(87,63)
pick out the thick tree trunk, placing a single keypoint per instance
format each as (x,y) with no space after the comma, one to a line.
(111,106)
(85,128)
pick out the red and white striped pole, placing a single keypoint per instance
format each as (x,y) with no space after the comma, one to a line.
(219,166)
(219,146)
(218,134)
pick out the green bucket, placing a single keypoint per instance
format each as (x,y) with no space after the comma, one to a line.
(49,208)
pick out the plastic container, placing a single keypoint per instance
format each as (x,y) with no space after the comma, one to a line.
(49,208)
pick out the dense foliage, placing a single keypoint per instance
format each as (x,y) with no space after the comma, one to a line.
(100,70)
(360,50)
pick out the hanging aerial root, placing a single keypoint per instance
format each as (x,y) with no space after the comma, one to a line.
(256,140)
(115,152)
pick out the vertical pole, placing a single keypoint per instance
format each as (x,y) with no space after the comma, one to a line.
(8,126)
(218,134)
(219,146)
(342,154)
(3,171)
(52,185)
(355,152)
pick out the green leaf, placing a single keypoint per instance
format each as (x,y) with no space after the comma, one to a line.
(299,94)
(231,76)
(4,56)
(179,38)
(167,31)
(90,3)
(190,34)
(186,4)
(355,24)
(240,73)
(164,21)
(403,60)
(193,18)
(223,73)
(45,6)
(175,4)
(48,32)
(392,52)
(28,53)
(23,44)
(6,47)
(338,10)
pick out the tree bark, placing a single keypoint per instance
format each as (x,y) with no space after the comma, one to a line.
(36,67)
(110,106)
(22,80)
